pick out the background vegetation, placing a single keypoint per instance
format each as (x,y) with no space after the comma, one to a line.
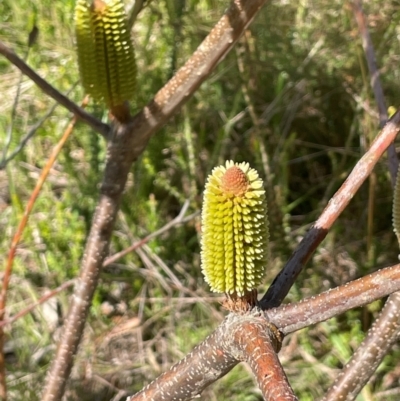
(294,100)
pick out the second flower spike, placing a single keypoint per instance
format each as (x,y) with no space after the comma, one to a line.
(105,51)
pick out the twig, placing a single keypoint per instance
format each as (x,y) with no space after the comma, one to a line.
(97,125)
(180,219)
(31,132)
(17,237)
(375,81)
(40,301)
(127,142)
(285,279)
(133,12)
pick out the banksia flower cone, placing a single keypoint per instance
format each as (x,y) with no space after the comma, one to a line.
(105,51)
(234,246)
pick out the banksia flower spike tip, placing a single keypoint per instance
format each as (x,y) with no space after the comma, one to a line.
(234,246)
(105,51)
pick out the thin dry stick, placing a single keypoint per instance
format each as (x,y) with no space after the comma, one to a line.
(17,238)
(29,134)
(180,219)
(97,125)
(127,142)
(375,81)
(190,376)
(40,301)
(385,330)
(285,279)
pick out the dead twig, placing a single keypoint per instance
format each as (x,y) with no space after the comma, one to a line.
(180,219)
(97,125)
(40,301)
(17,237)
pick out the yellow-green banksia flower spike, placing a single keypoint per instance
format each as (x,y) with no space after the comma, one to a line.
(234,246)
(105,51)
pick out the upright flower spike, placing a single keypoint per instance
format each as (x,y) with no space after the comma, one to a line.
(234,246)
(105,51)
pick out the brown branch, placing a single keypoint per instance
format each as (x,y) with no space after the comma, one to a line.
(190,376)
(380,338)
(293,317)
(385,330)
(285,279)
(259,343)
(212,359)
(126,144)
(116,171)
(97,125)
(186,81)
(229,343)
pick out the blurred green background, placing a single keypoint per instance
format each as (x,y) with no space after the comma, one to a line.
(293,99)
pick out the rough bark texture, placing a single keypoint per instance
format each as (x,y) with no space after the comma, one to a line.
(215,356)
(292,317)
(117,167)
(380,338)
(232,341)
(259,342)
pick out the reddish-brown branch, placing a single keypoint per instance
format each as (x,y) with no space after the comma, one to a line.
(216,355)
(119,161)
(285,279)
(220,351)
(40,301)
(259,342)
(187,80)
(380,338)
(208,361)
(292,317)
